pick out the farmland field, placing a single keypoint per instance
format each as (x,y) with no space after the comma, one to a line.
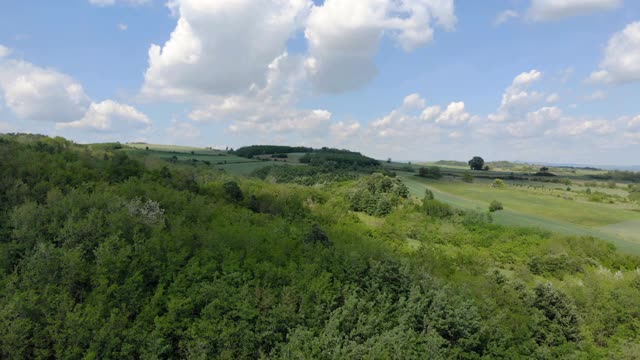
(618,223)
(527,203)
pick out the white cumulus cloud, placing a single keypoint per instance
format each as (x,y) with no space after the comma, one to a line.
(39,94)
(516,98)
(345,130)
(221,47)
(343,36)
(621,63)
(109,116)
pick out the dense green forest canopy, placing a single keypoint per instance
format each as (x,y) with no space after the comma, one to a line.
(339,158)
(104,256)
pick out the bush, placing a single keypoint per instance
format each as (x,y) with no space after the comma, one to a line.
(498,184)
(428,194)
(317,236)
(476,218)
(495,206)
(467,177)
(437,209)
(377,194)
(432,172)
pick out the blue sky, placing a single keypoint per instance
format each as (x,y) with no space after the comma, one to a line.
(532,80)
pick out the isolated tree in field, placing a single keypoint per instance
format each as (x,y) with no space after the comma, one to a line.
(476,163)
(467,177)
(544,169)
(486,168)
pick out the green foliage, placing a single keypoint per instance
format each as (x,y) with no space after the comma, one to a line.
(437,209)
(476,163)
(253,150)
(561,319)
(232,192)
(317,236)
(495,206)
(432,172)
(377,194)
(498,184)
(451,163)
(167,261)
(601,197)
(339,159)
(428,194)
(467,177)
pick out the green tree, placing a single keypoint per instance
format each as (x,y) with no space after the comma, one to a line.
(232,192)
(467,177)
(476,163)
(432,172)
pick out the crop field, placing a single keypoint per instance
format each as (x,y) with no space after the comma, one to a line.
(247,167)
(619,223)
(232,164)
(173,148)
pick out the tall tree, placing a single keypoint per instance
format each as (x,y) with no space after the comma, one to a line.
(476,163)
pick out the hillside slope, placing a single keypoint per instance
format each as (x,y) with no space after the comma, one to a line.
(103,256)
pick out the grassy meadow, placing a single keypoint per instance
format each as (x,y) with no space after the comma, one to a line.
(549,208)
(555,207)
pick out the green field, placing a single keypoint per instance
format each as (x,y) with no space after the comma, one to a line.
(614,222)
(217,159)
(247,167)
(172,148)
(526,203)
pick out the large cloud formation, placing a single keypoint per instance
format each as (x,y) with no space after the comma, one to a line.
(621,61)
(225,47)
(221,47)
(37,94)
(344,36)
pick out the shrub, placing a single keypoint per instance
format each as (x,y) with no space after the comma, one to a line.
(495,206)
(476,218)
(428,194)
(498,184)
(432,172)
(317,236)
(437,209)
(377,194)
(467,177)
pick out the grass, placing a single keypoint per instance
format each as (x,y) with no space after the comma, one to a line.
(533,209)
(172,148)
(246,168)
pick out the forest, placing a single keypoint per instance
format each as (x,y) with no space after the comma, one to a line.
(108,255)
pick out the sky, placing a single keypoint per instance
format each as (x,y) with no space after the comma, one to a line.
(529,80)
